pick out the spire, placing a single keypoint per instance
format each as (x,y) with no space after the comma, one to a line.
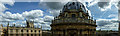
(8,24)
(14,25)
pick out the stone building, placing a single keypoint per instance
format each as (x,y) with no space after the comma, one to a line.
(29,30)
(1,31)
(106,33)
(74,20)
(119,16)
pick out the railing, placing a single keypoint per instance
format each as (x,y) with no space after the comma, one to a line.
(73,20)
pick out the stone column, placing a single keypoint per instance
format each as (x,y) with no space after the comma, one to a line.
(63,32)
(78,32)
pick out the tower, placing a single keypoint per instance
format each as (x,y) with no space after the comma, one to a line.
(30,24)
(8,24)
(74,20)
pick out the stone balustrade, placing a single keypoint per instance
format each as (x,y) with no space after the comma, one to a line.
(73,20)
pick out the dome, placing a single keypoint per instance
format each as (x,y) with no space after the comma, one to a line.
(74,5)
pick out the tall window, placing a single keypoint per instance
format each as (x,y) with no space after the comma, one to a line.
(73,15)
(39,31)
(16,30)
(31,30)
(35,30)
(17,35)
(27,30)
(31,34)
(22,34)
(11,30)
(27,34)
(22,30)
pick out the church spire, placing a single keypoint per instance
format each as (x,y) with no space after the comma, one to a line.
(8,24)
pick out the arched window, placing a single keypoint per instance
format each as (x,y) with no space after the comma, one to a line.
(73,3)
(66,14)
(80,14)
(73,15)
(22,30)
(31,30)
(27,30)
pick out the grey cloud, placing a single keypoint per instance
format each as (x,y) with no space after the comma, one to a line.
(118,4)
(55,12)
(103,4)
(106,22)
(52,5)
(32,14)
(113,26)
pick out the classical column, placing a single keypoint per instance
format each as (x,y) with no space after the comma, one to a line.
(63,32)
(78,32)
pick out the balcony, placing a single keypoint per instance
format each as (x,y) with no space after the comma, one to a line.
(73,20)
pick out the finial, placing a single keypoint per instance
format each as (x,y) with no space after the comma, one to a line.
(14,25)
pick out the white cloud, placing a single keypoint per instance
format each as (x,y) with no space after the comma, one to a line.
(48,18)
(32,14)
(9,2)
(46,27)
(9,15)
(2,7)
(113,15)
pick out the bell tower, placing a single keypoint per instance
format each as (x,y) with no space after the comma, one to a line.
(30,24)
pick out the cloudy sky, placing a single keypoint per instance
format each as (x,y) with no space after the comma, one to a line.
(43,11)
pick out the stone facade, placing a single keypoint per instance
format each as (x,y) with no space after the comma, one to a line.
(22,31)
(1,31)
(119,19)
(73,20)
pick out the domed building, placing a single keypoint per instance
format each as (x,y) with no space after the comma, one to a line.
(74,20)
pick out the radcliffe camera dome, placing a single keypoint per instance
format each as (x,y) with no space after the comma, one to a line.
(74,5)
